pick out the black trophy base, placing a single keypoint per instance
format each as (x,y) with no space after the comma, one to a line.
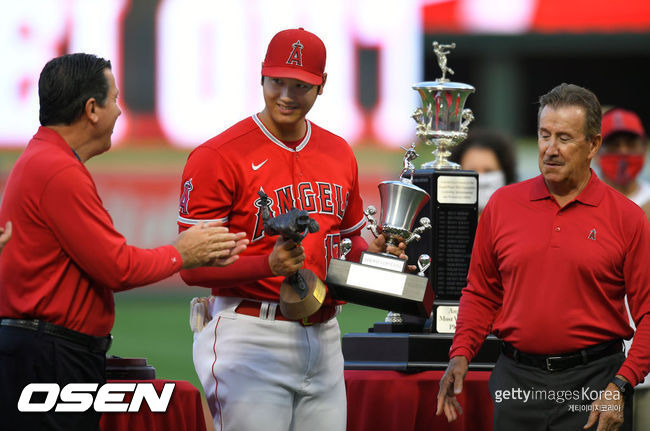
(411,294)
(410,352)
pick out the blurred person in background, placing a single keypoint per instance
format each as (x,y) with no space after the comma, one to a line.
(492,155)
(622,155)
(5,235)
(621,159)
(65,260)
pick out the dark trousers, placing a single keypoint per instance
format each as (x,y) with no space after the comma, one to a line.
(531,399)
(34,357)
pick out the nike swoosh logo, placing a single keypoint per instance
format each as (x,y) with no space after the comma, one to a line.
(256,167)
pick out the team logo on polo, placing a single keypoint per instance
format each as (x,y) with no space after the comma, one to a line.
(296,54)
(592,234)
(185,197)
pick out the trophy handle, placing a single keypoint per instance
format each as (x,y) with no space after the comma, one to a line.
(424,262)
(467,117)
(372,222)
(346,246)
(425,224)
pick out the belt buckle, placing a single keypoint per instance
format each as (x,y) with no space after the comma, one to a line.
(305,321)
(549,367)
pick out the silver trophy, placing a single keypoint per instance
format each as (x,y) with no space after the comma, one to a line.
(401,202)
(442,120)
(380,279)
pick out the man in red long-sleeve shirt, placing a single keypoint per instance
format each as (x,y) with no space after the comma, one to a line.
(59,271)
(552,261)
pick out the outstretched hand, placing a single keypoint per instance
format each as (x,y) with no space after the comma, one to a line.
(451,385)
(209,244)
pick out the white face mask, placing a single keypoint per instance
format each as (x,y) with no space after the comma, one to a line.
(488,183)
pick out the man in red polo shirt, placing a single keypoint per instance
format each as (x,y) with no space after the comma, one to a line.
(553,259)
(65,260)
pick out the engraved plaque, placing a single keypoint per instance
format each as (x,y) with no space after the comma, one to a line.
(454,214)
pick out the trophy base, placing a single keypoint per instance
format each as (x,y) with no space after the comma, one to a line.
(410,352)
(440,165)
(379,288)
(293,306)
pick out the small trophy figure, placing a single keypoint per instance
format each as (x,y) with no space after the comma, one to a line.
(408,166)
(439,50)
(302,293)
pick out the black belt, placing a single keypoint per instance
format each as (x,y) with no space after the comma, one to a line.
(94,344)
(563,361)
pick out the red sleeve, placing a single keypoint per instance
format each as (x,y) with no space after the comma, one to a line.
(76,216)
(245,269)
(636,273)
(483,295)
(207,188)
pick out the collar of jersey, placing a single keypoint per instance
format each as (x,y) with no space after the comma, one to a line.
(278,142)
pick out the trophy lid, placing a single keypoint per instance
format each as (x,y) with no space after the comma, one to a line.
(443,85)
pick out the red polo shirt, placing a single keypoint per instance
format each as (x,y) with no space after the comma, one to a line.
(552,280)
(65,258)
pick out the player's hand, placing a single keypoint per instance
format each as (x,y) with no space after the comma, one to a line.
(607,410)
(286,258)
(379,246)
(209,244)
(5,235)
(451,385)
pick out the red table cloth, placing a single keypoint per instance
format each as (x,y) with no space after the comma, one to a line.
(392,400)
(184,412)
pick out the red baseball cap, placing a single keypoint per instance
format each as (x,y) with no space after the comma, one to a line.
(296,54)
(620,120)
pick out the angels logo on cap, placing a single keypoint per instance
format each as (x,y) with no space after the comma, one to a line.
(296,54)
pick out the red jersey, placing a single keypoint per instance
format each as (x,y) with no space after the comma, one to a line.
(221,180)
(552,280)
(65,258)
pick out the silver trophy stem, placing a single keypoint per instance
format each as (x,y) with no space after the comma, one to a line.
(441,154)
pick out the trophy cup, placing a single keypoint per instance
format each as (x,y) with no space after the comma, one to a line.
(442,122)
(302,293)
(379,279)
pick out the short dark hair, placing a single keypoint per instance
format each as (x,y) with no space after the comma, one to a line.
(574,95)
(499,143)
(65,85)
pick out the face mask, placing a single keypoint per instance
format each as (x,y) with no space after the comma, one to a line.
(488,183)
(621,169)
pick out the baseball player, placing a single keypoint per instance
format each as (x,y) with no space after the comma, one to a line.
(258,369)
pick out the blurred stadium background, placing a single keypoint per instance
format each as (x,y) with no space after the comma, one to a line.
(189,69)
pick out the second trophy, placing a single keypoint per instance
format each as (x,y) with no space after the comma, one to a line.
(379,279)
